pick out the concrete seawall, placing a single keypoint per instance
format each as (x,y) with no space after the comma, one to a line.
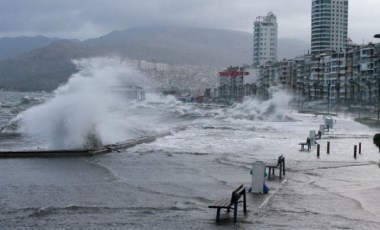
(44,153)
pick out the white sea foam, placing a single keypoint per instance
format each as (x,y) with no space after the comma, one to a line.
(274,109)
(85,112)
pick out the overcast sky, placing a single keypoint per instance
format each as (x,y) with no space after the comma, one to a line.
(92,18)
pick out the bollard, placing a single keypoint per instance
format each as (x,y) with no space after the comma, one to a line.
(355,147)
(360,148)
(328,147)
(318,148)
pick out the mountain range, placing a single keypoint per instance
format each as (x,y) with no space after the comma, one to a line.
(40,63)
(11,47)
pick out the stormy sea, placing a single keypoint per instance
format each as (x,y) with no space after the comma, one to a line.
(169,183)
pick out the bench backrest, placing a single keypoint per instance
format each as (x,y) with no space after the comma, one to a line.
(236,194)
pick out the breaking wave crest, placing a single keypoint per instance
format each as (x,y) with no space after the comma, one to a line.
(275,109)
(85,112)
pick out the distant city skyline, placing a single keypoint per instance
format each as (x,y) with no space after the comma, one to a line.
(93,18)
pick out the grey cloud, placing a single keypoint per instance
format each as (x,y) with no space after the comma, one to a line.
(87,18)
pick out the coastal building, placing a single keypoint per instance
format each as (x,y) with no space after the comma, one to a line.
(231,87)
(265,39)
(329,23)
(350,76)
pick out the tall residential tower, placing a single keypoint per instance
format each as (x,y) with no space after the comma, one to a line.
(329,22)
(265,39)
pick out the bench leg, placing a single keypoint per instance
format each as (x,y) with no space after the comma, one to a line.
(280,171)
(283,167)
(217,215)
(235,211)
(244,203)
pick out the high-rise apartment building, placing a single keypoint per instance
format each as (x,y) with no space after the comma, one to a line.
(265,39)
(329,22)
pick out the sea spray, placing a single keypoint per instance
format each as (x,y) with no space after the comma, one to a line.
(85,113)
(277,106)
(273,109)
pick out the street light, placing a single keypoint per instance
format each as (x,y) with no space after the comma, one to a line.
(328,102)
(354,83)
(378,100)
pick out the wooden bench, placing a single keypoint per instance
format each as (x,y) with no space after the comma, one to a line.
(303,146)
(231,203)
(280,164)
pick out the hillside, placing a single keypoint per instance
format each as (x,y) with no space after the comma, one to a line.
(189,46)
(44,68)
(11,47)
(47,67)
(178,46)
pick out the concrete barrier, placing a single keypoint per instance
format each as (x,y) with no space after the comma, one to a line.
(46,153)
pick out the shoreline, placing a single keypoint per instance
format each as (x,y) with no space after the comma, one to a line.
(368,121)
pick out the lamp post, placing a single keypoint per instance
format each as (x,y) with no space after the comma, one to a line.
(303,95)
(369,87)
(299,94)
(328,101)
(361,99)
(345,92)
(378,99)
(353,83)
(337,89)
(378,106)
(368,92)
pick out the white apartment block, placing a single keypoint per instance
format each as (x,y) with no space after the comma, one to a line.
(265,39)
(329,22)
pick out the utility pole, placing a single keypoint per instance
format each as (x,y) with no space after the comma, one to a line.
(328,95)
(378,98)
(361,97)
(378,106)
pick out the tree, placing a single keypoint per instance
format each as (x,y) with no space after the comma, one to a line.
(376,140)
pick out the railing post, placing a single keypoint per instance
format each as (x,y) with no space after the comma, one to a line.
(328,147)
(245,202)
(355,147)
(318,150)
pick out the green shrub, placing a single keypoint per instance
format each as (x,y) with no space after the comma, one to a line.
(376,140)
